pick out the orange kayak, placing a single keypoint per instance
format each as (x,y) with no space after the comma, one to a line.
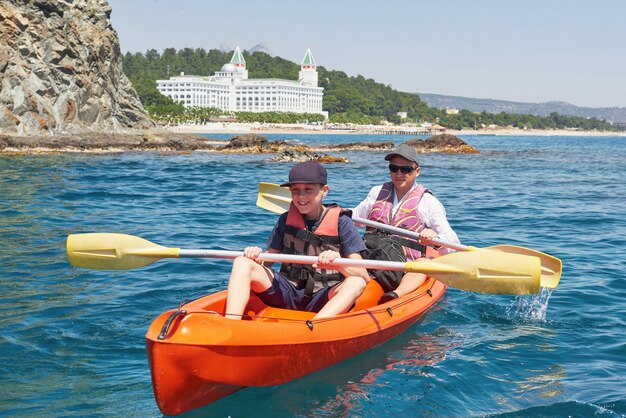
(197,356)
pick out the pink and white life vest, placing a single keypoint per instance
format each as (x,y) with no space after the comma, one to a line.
(406,216)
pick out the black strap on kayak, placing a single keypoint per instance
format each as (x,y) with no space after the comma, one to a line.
(166,325)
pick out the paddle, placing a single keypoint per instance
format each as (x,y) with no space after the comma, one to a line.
(498,273)
(277,199)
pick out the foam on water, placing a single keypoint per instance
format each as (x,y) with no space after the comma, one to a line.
(531,307)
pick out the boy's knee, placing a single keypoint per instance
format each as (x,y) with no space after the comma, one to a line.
(243,262)
(356,283)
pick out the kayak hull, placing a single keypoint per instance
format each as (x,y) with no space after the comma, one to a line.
(202,357)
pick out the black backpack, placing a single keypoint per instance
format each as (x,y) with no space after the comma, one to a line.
(384,247)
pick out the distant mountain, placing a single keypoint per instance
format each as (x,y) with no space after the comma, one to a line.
(610,114)
(261,48)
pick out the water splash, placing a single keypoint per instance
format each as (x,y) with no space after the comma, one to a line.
(531,307)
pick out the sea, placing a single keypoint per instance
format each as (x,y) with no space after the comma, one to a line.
(72,340)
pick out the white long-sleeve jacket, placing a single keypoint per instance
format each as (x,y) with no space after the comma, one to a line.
(429,209)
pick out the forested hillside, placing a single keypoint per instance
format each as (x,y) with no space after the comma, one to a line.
(348,99)
(440,101)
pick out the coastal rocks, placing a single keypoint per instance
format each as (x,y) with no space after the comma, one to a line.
(247,141)
(361,146)
(444,143)
(168,141)
(252,144)
(61,72)
(298,155)
(106,143)
(257,144)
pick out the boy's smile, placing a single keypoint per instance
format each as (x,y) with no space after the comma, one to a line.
(308,198)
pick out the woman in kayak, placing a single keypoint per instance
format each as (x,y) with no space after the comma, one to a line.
(404,203)
(307,228)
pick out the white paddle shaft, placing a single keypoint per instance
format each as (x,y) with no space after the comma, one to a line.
(407,233)
(295,259)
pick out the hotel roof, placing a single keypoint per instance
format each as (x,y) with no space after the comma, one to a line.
(308,58)
(237,57)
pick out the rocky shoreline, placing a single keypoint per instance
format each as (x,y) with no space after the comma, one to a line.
(167,141)
(98,142)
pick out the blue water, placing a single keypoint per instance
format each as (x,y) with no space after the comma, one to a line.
(72,340)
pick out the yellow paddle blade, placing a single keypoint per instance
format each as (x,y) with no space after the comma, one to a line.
(551,267)
(104,251)
(274,198)
(484,271)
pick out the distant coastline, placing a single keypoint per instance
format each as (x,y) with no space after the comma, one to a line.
(256,128)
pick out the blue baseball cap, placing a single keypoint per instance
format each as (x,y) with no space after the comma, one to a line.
(309,172)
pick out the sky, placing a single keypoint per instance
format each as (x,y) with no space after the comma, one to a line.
(527,51)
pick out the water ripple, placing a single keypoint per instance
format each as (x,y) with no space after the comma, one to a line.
(73,340)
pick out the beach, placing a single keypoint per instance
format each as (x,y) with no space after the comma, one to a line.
(259,128)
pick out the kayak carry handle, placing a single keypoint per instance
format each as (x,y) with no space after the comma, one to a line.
(167,324)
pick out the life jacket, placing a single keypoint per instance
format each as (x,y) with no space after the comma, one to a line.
(298,240)
(406,217)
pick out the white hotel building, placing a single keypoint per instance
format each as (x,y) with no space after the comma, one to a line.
(230,89)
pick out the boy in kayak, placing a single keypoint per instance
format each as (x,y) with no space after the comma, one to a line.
(307,228)
(404,203)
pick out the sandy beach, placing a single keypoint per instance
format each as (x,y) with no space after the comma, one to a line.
(257,128)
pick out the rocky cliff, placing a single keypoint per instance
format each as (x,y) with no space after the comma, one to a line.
(60,70)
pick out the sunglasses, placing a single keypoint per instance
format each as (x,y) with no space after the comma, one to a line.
(404,169)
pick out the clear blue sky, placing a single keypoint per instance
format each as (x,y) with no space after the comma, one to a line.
(531,51)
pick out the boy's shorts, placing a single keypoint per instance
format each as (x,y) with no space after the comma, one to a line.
(283,294)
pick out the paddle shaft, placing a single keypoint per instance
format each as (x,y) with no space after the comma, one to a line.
(407,233)
(477,271)
(296,259)
(463,270)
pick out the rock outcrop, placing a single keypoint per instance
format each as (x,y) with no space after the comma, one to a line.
(258,144)
(444,143)
(361,146)
(166,141)
(298,155)
(252,144)
(98,142)
(61,70)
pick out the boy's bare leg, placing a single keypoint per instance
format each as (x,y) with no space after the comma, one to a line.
(342,296)
(245,275)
